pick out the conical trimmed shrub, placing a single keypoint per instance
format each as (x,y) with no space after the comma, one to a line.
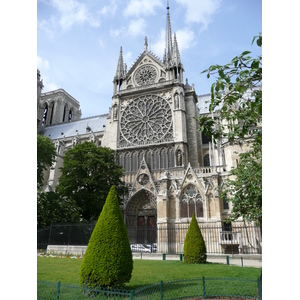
(194,249)
(108,258)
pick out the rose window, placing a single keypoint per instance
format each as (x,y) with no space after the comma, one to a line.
(145,120)
(145,75)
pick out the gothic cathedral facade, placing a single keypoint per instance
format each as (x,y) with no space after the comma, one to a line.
(171,171)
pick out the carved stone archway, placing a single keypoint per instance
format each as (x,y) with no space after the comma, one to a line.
(141,213)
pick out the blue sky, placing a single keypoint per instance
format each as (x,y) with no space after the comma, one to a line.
(78,42)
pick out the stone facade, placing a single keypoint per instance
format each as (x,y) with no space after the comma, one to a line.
(152,124)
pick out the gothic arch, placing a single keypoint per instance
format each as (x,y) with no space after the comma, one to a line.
(65,113)
(171,162)
(45,113)
(148,158)
(190,201)
(140,217)
(156,160)
(134,161)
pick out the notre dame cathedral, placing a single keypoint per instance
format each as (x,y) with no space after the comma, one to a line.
(170,168)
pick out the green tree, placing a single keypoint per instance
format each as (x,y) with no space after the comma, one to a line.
(108,258)
(232,114)
(87,174)
(45,157)
(52,208)
(194,249)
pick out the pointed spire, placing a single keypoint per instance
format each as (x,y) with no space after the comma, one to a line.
(146,44)
(120,74)
(175,55)
(168,46)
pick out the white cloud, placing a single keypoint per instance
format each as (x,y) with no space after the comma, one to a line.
(141,7)
(101,42)
(185,39)
(47,26)
(114,33)
(44,66)
(127,57)
(136,27)
(73,12)
(159,45)
(200,11)
(110,9)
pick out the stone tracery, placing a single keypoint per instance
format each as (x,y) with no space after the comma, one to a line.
(147,119)
(145,75)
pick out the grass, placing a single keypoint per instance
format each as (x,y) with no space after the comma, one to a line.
(66,270)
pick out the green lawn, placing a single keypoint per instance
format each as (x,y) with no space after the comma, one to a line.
(66,270)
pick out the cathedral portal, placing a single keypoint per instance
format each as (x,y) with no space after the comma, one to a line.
(140,216)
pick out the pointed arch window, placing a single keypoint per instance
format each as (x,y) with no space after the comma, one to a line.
(225,203)
(127,162)
(156,160)
(206,160)
(45,115)
(65,113)
(70,115)
(191,201)
(163,159)
(171,163)
(148,159)
(52,111)
(141,154)
(134,162)
(121,161)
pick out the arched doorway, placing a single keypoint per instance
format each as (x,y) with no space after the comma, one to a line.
(140,214)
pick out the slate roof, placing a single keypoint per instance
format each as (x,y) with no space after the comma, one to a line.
(96,123)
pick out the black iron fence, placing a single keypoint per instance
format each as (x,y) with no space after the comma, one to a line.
(240,238)
(206,288)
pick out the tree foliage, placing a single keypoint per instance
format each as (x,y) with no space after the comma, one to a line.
(45,157)
(194,249)
(245,187)
(232,114)
(52,208)
(108,258)
(87,174)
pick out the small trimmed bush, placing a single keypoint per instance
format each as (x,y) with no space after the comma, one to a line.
(108,258)
(194,249)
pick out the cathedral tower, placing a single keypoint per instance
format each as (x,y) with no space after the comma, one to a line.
(152,127)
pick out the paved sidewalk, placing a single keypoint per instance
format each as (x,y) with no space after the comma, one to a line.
(236,260)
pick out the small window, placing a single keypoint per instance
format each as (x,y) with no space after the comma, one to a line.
(171,158)
(45,115)
(70,115)
(206,160)
(205,139)
(225,204)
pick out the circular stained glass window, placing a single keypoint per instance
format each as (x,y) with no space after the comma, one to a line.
(145,120)
(145,75)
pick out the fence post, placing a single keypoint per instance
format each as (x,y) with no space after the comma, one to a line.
(227,258)
(58,291)
(161,290)
(204,292)
(242,261)
(50,232)
(259,287)
(131,294)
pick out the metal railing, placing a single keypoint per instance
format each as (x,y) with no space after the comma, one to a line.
(198,287)
(241,239)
